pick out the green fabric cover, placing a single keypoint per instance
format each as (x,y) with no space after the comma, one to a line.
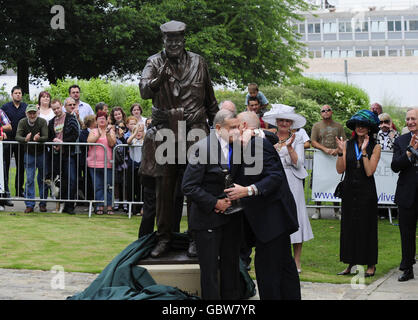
(123,279)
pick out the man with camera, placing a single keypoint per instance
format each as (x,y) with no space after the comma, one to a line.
(405,161)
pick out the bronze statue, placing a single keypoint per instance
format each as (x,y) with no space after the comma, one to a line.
(179,85)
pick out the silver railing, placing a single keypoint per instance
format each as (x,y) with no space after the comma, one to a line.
(127,189)
(59,160)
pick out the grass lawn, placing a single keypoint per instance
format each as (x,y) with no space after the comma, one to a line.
(78,243)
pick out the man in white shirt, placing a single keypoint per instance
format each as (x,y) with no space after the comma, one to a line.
(82,108)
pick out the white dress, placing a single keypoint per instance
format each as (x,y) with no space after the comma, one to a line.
(295,173)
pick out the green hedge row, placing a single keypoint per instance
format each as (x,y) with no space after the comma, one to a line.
(96,90)
(308,96)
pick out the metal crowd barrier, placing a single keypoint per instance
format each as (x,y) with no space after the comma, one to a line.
(56,164)
(126,189)
(126,181)
(310,203)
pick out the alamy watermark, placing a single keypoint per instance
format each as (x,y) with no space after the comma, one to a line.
(173,149)
(58,20)
(358,281)
(58,280)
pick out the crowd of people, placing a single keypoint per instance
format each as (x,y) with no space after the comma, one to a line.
(65,164)
(283,143)
(357,159)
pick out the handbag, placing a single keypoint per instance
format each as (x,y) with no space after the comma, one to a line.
(339,190)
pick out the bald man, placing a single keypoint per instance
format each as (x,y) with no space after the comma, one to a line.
(270,213)
(228,105)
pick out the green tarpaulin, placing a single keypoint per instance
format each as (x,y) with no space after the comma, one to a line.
(123,279)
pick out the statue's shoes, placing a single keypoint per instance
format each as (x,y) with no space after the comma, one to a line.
(160,248)
(192,251)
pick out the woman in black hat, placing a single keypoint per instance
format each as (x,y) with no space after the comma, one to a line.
(358,158)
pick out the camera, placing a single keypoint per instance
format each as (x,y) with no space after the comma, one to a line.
(413,151)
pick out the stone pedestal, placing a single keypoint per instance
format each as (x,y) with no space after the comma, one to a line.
(175,269)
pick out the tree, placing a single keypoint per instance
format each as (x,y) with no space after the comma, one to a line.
(242,40)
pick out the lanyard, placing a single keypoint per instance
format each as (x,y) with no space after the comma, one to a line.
(358,153)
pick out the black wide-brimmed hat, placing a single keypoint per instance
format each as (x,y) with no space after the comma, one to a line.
(364,118)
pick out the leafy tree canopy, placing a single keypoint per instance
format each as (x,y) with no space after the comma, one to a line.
(242,40)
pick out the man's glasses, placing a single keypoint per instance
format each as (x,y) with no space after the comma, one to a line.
(70,104)
(325,110)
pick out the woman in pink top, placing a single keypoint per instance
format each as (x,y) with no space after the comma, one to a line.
(104,134)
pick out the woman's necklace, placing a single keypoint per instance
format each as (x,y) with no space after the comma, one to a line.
(282,141)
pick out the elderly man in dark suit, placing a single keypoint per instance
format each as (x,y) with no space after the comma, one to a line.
(270,211)
(216,233)
(405,161)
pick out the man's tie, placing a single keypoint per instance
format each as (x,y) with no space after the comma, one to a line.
(229,156)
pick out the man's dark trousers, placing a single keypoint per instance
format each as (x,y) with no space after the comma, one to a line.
(408,218)
(223,241)
(18,151)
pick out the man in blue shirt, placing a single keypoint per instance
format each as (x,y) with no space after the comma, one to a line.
(82,109)
(15,111)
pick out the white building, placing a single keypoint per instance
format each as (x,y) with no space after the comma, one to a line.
(372,44)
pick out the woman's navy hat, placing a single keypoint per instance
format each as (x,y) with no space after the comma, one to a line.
(365,118)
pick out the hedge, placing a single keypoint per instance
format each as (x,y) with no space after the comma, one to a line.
(308,95)
(96,90)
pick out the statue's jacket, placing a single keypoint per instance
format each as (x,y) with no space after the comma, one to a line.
(187,95)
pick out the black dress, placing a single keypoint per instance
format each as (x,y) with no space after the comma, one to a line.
(358,238)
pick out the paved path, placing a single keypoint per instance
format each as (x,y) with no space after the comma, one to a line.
(45,285)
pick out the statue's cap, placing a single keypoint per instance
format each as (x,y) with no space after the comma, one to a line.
(173,27)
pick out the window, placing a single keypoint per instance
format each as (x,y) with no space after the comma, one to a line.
(330,27)
(344,27)
(413,25)
(314,28)
(378,26)
(361,26)
(302,28)
(395,25)
(378,53)
(346,53)
(362,52)
(411,52)
(331,54)
(314,54)
(393,52)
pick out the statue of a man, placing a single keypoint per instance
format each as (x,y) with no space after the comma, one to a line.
(179,85)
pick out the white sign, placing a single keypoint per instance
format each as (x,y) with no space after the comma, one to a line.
(325,178)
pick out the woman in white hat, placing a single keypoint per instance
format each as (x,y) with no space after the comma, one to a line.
(291,151)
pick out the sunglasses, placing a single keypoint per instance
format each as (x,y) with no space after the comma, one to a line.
(70,104)
(325,110)
(285,120)
(385,121)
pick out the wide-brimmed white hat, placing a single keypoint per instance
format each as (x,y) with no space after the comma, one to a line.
(282,111)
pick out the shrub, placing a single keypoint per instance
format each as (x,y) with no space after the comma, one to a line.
(96,90)
(305,94)
(397,115)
